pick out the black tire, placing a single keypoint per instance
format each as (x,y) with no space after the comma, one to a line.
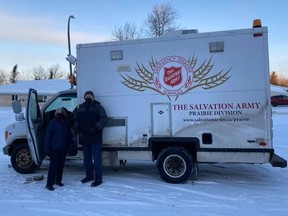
(21,159)
(175,165)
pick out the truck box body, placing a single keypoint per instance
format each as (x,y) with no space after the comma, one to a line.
(212,86)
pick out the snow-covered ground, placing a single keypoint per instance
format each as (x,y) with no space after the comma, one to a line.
(218,190)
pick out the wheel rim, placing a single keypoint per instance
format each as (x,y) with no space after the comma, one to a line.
(174,166)
(23,159)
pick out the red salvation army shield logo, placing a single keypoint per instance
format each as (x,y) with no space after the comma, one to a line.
(173,75)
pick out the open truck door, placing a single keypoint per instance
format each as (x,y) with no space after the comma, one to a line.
(34,126)
(27,154)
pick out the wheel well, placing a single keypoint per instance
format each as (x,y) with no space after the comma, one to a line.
(14,145)
(157,144)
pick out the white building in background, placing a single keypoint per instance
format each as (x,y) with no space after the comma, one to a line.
(278,90)
(19,90)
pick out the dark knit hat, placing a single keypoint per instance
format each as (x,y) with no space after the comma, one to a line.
(89,93)
(61,110)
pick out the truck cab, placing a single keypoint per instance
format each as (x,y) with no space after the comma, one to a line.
(25,137)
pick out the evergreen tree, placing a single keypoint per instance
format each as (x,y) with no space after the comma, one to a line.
(14,74)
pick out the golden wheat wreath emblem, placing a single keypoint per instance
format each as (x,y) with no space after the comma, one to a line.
(175,76)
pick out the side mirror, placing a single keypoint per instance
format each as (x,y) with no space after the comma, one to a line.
(16,105)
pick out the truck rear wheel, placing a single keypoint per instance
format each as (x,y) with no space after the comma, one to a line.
(175,165)
(21,159)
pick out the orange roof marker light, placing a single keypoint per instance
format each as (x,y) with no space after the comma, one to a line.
(257,25)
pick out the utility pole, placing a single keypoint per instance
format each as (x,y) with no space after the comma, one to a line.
(69,46)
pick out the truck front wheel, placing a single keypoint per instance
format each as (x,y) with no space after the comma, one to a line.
(175,165)
(21,159)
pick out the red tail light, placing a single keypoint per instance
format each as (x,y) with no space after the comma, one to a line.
(263,144)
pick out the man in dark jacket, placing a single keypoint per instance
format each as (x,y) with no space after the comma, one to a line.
(90,119)
(58,140)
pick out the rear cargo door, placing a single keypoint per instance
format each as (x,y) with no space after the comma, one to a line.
(34,127)
(161,119)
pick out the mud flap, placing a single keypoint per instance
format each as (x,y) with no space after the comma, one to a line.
(278,161)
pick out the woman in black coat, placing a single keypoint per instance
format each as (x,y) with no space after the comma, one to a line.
(58,140)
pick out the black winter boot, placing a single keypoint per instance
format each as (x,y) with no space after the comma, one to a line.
(86,179)
(96,183)
(49,187)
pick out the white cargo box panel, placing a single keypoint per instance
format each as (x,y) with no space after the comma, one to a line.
(185,86)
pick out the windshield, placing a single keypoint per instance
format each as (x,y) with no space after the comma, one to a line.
(68,101)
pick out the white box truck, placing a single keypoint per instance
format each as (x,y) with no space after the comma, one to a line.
(179,100)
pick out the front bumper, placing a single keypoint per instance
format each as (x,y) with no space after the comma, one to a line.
(6,150)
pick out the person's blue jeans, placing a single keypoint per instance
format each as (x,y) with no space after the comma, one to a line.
(93,161)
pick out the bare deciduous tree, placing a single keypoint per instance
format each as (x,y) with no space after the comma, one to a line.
(25,75)
(276,79)
(161,20)
(39,73)
(3,77)
(54,72)
(126,32)
(273,78)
